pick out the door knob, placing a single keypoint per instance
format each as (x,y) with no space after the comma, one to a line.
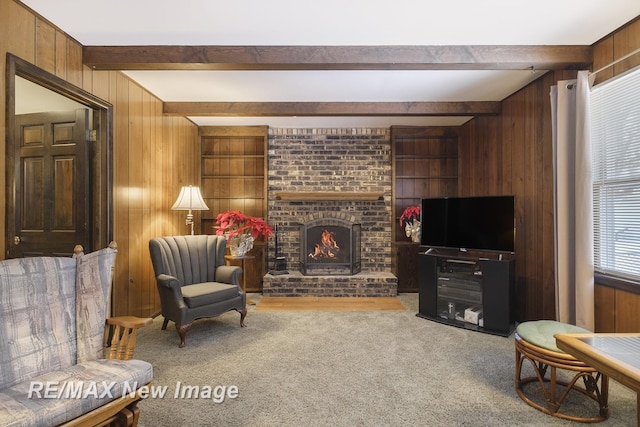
(16,240)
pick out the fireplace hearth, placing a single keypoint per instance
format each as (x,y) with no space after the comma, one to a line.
(330,246)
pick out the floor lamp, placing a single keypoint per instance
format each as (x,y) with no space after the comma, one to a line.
(190,199)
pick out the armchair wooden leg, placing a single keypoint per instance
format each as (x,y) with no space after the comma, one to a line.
(182,331)
(164,324)
(243,314)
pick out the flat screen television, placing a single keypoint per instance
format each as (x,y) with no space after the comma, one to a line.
(484,223)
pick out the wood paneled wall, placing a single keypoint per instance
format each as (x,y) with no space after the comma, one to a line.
(153,155)
(512,154)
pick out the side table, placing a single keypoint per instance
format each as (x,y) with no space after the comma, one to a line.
(615,355)
(243,282)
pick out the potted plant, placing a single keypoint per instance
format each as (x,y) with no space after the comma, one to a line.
(410,219)
(241,230)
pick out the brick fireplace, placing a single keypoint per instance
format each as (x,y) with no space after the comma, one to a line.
(331,176)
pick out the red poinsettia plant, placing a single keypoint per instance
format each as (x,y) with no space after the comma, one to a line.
(236,223)
(409,214)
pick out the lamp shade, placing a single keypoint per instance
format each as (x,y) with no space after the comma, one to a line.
(190,199)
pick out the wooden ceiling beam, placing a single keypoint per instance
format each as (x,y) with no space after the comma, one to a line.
(264,109)
(499,57)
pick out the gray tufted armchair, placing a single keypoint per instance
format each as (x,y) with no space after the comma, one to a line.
(193,281)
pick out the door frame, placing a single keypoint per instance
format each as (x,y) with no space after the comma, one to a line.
(100,160)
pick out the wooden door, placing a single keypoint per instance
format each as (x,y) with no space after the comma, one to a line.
(50,207)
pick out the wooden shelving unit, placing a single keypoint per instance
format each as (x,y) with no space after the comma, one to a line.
(234,177)
(424,164)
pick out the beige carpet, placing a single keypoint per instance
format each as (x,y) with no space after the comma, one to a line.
(330,303)
(344,369)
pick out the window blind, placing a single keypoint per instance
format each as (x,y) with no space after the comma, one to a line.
(615,139)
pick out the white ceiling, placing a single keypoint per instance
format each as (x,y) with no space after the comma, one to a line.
(335,23)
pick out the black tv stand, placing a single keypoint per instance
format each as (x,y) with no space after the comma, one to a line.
(467,290)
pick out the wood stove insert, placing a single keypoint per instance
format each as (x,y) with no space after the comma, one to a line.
(330,246)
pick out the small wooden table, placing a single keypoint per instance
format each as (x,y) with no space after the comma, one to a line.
(243,283)
(615,355)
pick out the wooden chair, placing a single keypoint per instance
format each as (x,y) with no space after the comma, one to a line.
(67,299)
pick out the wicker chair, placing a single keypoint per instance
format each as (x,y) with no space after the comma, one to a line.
(535,342)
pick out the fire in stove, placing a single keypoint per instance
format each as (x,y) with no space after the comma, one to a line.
(327,248)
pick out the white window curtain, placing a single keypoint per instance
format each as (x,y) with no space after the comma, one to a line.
(573,201)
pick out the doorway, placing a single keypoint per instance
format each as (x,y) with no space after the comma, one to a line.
(58,163)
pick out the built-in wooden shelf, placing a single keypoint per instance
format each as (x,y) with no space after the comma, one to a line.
(301,196)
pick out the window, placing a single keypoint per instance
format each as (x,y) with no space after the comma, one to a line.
(615,138)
